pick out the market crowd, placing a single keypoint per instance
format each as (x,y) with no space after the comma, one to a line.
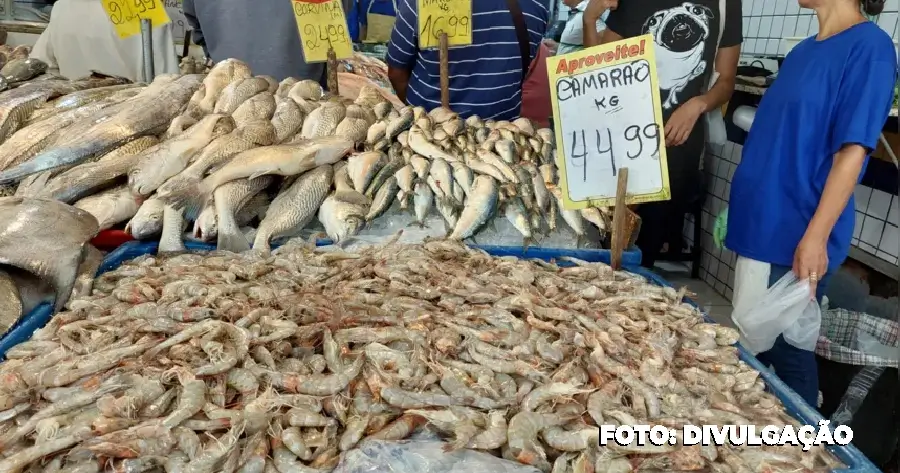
(792,206)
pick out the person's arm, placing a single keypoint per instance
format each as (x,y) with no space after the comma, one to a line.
(196,33)
(403,48)
(592,14)
(862,106)
(720,93)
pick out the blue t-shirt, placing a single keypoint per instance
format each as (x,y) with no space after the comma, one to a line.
(486,76)
(828,94)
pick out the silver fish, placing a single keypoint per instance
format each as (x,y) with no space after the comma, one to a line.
(399,124)
(229,199)
(294,208)
(141,116)
(463,177)
(507,151)
(440,115)
(421,145)
(383,175)
(352,128)
(169,158)
(341,219)
(306,90)
(383,199)
(219,77)
(323,121)
(593,215)
(442,173)
(382,110)
(110,207)
(494,160)
(362,112)
(206,227)
(377,131)
(423,199)
(287,120)
(148,221)
(420,165)
(480,207)
(284,88)
(363,167)
(405,178)
(45,238)
(273,84)
(572,217)
(239,92)
(517,215)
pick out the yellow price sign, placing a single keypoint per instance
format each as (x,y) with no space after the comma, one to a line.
(126,15)
(322,25)
(453,17)
(608,115)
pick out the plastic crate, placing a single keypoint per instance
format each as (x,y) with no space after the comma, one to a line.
(794,405)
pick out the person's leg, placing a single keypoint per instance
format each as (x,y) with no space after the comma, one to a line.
(652,233)
(796,367)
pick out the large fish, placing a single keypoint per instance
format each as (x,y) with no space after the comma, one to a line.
(422,145)
(85,97)
(363,167)
(144,115)
(222,74)
(239,92)
(323,121)
(341,219)
(20,70)
(45,238)
(83,180)
(260,106)
(281,160)
(481,205)
(229,199)
(296,206)
(148,221)
(169,158)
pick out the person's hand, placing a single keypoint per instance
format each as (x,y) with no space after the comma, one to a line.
(811,260)
(682,121)
(596,9)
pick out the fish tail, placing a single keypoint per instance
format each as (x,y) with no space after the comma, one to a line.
(235,242)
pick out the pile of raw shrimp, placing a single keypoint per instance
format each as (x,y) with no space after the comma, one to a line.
(282,361)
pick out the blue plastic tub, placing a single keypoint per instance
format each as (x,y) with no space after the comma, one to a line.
(855,460)
(25,327)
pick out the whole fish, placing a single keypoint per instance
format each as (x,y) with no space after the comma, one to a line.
(440,115)
(218,152)
(386,172)
(342,219)
(518,216)
(423,199)
(110,207)
(399,124)
(20,70)
(282,160)
(383,198)
(260,106)
(323,121)
(148,221)
(273,84)
(494,160)
(453,127)
(442,173)
(524,189)
(229,200)
(71,102)
(45,238)
(572,217)
(172,238)
(169,158)
(421,145)
(206,225)
(420,165)
(81,181)
(507,151)
(362,112)
(480,207)
(406,177)
(541,194)
(294,208)
(10,303)
(363,167)
(382,109)
(287,120)
(238,92)
(486,169)
(352,128)
(463,177)
(142,116)
(377,131)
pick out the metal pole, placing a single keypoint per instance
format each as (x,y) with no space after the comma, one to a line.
(147,49)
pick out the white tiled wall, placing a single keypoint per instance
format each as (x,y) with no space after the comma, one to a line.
(765,22)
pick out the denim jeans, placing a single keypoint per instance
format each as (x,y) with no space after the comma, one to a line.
(796,367)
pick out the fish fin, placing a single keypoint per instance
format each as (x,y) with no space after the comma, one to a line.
(232,241)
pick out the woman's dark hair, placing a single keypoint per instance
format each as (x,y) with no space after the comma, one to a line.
(872,7)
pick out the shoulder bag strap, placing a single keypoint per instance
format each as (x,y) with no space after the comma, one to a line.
(521,33)
(722,12)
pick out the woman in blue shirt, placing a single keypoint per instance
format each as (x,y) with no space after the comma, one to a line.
(791,203)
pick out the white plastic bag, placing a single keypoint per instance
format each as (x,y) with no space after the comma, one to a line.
(781,308)
(804,333)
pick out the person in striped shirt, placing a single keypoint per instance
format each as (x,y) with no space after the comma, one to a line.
(485,77)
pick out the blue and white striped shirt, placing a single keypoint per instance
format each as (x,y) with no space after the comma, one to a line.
(486,76)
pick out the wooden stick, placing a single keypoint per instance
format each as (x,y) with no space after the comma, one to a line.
(445,70)
(619,231)
(332,73)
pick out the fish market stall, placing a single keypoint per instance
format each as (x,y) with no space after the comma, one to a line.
(304,354)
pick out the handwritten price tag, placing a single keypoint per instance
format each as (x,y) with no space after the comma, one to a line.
(607,114)
(453,17)
(322,25)
(126,15)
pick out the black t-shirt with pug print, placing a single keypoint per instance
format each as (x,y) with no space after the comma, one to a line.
(685,35)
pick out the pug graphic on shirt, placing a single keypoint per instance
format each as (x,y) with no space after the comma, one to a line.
(680,34)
